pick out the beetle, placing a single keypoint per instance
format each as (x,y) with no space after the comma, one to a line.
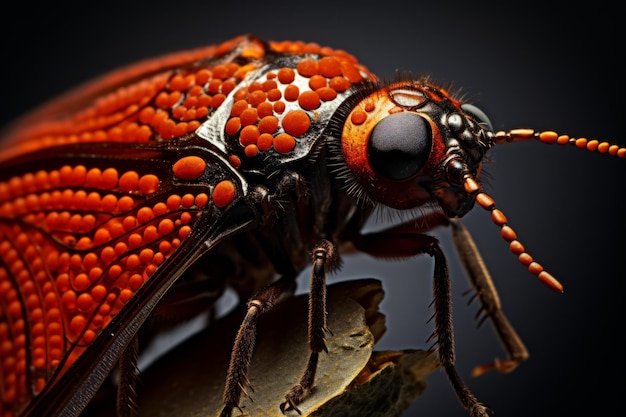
(242,162)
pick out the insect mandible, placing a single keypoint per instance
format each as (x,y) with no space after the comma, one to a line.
(255,158)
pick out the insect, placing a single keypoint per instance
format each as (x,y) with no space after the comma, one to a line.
(237,164)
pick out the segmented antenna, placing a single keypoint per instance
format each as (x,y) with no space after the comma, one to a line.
(508,234)
(498,217)
(549,136)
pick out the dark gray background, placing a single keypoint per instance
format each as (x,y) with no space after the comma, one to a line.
(547,68)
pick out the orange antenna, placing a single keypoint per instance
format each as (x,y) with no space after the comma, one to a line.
(548,136)
(508,234)
(498,217)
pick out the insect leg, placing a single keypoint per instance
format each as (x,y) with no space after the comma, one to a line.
(404,241)
(325,258)
(490,302)
(236,379)
(442,301)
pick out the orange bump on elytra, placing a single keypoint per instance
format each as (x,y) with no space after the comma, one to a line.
(296,122)
(249,135)
(84,302)
(284,143)
(339,84)
(326,93)
(317,81)
(274,95)
(135,281)
(279,107)
(125,295)
(92,178)
(150,233)
(251,150)
(329,67)
(268,124)
(184,232)
(125,203)
(189,168)
(173,202)
(291,93)
(132,261)
(165,226)
(223,193)
(351,72)
(269,84)
(128,181)
(95,274)
(101,236)
(238,107)
(307,67)
(187,200)
(159,209)
(78,324)
(309,100)
(286,75)
(235,161)
(265,109)
(109,178)
(148,184)
(265,141)
(109,203)
(232,126)
(90,260)
(144,214)
(115,271)
(202,200)
(249,116)
(256,97)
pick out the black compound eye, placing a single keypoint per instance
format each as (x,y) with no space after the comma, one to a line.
(477,114)
(400,145)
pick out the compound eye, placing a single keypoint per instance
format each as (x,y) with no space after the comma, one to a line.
(477,114)
(400,145)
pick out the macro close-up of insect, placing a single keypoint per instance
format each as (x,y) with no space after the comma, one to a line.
(252,165)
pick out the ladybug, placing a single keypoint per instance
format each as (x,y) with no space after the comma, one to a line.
(234,165)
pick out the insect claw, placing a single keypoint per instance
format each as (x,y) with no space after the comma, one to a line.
(481,369)
(227,411)
(293,397)
(289,405)
(502,366)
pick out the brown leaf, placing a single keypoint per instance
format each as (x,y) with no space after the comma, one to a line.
(351,379)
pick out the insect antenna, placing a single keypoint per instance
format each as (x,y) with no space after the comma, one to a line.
(498,217)
(508,234)
(549,137)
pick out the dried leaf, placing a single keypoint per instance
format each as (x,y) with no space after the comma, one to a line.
(352,379)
